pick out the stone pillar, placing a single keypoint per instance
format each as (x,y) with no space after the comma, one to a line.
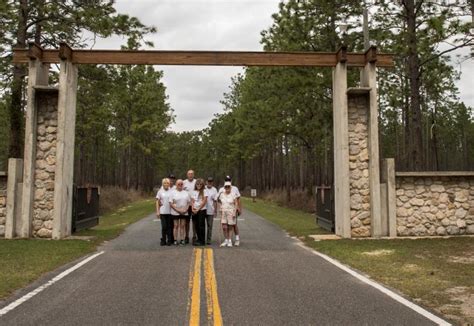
(370,81)
(37,75)
(45,161)
(65,145)
(341,148)
(360,203)
(3,202)
(14,187)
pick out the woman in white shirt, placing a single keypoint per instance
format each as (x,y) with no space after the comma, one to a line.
(228,209)
(179,202)
(198,204)
(163,212)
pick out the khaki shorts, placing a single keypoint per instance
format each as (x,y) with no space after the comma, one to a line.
(228,217)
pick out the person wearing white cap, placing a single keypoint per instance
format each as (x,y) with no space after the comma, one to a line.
(228,210)
(236,192)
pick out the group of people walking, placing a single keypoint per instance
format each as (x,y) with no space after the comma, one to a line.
(181,204)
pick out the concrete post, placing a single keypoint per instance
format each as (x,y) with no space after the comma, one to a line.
(341,147)
(370,80)
(15,178)
(65,149)
(37,75)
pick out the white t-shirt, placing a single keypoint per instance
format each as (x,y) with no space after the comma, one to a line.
(233,190)
(198,200)
(211,194)
(181,200)
(189,186)
(172,188)
(227,201)
(164,197)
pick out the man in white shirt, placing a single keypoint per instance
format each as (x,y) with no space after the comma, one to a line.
(211,193)
(236,192)
(188,185)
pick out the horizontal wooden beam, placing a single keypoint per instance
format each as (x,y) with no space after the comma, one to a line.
(206,58)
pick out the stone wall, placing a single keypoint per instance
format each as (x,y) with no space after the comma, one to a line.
(43,204)
(3,203)
(434,205)
(358,107)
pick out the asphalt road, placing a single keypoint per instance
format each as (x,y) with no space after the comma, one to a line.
(268,280)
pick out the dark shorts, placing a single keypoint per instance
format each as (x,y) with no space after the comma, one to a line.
(179,217)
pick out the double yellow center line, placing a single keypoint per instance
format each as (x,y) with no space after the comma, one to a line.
(214,316)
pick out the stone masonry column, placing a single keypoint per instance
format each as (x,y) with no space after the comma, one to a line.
(63,194)
(370,80)
(360,204)
(341,147)
(37,75)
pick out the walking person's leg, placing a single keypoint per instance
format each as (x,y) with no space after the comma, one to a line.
(202,227)
(176,230)
(226,234)
(169,229)
(209,223)
(230,232)
(164,228)
(188,222)
(182,228)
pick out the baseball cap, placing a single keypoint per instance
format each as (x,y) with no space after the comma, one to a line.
(171,176)
(227,183)
(210,179)
(228,178)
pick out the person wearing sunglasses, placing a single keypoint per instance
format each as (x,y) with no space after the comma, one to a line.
(163,212)
(179,202)
(236,192)
(228,210)
(198,204)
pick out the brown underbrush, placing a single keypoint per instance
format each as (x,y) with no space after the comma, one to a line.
(112,197)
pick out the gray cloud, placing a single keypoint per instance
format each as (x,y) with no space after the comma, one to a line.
(195,92)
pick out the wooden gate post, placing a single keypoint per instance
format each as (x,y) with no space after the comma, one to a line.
(37,76)
(369,79)
(63,192)
(341,146)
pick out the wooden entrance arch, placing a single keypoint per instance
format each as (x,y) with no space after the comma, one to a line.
(60,203)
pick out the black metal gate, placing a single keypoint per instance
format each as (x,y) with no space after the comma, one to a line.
(85,208)
(325,207)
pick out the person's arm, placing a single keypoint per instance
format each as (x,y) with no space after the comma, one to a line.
(236,205)
(214,204)
(173,205)
(204,203)
(158,205)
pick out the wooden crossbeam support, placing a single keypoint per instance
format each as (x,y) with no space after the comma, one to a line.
(34,52)
(371,54)
(205,58)
(341,54)
(65,51)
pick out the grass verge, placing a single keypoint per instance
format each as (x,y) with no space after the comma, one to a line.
(437,273)
(24,261)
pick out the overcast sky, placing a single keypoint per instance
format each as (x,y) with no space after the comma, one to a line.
(195,92)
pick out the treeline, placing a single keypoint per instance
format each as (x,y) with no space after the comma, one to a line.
(122,112)
(276,129)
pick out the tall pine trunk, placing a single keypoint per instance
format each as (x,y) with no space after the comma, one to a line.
(415,158)
(15,109)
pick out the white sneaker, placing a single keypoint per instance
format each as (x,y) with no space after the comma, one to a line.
(237,243)
(229,244)
(224,244)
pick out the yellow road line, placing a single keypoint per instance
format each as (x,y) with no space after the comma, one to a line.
(213,308)
(195,287)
